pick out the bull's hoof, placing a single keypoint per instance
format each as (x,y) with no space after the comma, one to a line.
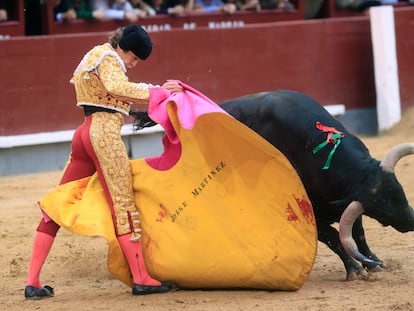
(375,264)
(358,274)
(378,268)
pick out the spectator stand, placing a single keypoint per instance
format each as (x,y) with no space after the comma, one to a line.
(166,22)
(330,9)
(15,25)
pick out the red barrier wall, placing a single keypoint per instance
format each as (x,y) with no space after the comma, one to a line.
(404,24)
(329,59)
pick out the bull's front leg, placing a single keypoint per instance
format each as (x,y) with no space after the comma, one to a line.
(330,236)
(358,235)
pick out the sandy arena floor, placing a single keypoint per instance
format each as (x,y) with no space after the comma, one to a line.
(76,267)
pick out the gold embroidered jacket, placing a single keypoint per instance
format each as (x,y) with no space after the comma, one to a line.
(100,80)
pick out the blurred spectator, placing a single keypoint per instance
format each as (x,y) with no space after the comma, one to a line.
(142,8)
(356,5)
(68,10)
(243,5)
(257,5)
(277,4)
(126,7)
(170,7)
(121,5)
(3,11)
(315,8)
(85,10)
(117,9)
(64,10)
(214,6)
(252,5)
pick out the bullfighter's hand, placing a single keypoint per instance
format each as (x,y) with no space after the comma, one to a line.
(173,86)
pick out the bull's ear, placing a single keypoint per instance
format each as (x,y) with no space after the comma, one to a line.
(141,119)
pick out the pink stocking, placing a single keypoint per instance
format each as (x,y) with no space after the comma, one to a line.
(41,247)
(133,254)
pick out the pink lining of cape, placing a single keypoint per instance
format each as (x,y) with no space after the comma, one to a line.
(190,104)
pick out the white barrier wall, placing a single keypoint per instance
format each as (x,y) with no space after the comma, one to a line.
(40,152)
(385,66)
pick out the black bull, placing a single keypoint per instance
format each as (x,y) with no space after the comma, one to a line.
(352,183)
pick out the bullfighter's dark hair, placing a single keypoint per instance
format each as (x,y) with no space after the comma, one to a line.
(115,37)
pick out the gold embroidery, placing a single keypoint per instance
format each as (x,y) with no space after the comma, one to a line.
(100,80)
(113,160)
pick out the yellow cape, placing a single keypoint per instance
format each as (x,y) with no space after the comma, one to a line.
(232,213)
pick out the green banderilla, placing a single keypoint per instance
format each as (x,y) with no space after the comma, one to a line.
(334,139)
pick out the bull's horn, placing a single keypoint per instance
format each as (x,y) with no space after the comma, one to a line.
(395,154)
(351,213)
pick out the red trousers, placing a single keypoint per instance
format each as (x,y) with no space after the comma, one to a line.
(97,146)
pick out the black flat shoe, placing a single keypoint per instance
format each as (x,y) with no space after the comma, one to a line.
(36,293)
(165,287)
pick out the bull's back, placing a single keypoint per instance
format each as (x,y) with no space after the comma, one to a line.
(287,119)
(284,118)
